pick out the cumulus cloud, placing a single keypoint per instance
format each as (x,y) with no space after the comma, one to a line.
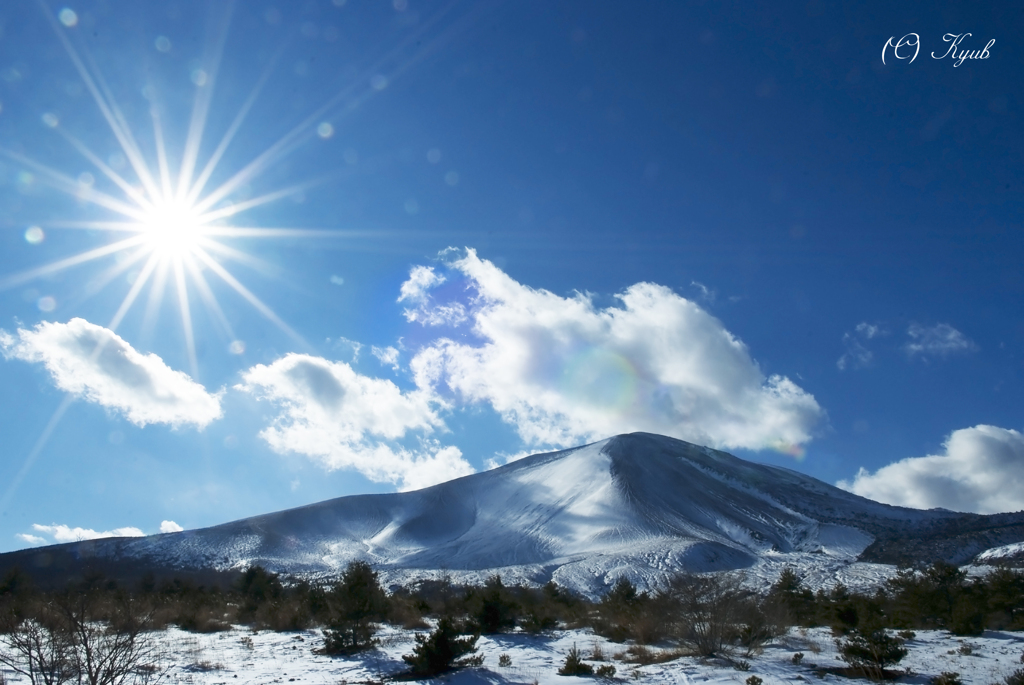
(981,470)
(563,371)
(388,356)
(59,533)
(416,291)
(170,527)
(940,340)
(94,363)
(343,419)
(421,280)
(857,355)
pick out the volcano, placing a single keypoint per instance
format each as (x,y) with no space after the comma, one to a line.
(637,505)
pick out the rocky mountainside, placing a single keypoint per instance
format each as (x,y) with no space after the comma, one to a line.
(639,505)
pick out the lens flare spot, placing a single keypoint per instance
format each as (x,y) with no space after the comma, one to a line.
(325,130)
(199,77)
(163,44)
(789,449)
(236,347)
(68,17)
(34,235)
(602,379)
(46,304)
(50,119)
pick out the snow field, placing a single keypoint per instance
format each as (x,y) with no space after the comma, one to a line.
(242,657)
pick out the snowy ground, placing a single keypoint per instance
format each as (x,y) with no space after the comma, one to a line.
(242,657)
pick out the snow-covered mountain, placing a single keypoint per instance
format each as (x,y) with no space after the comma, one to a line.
(639,505)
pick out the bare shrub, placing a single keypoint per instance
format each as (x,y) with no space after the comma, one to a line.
(85,636)
(705,612)
(1015,678)
(947,678)
(39,648)
(109,635)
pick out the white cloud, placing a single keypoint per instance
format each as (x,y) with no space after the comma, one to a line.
(31,539)
(869,330)
(416,290)
(343,343)
(857,355)
(62,533)
(501,458)
(981,470)
(563,371)
(388,356)
(342,419)
(170,527)
(937,341)
(421,280)
(706,293)
(438,315)
(93,363)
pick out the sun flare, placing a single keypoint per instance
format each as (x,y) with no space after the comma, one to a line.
(173,229)
(170,225)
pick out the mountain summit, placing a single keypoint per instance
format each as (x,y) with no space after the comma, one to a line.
(639,505)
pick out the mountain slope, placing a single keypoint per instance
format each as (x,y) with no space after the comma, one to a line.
(637,504)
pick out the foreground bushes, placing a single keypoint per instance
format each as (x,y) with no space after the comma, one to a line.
(707,615)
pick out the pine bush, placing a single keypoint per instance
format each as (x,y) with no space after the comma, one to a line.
(355,602)
(574,664)
(872,652)
(442,651)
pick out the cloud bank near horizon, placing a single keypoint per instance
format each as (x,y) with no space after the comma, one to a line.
(60,533)
(981,470)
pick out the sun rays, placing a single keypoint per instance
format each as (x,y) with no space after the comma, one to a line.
(168,221)
(166,224)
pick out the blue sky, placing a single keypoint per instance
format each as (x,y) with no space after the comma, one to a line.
(395,242)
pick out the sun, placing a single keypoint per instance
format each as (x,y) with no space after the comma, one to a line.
(173,228)
(172,214)
(168,223)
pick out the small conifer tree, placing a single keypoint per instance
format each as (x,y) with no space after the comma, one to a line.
(872,652)
(495,611)
(574,664)
(356,601)
(442,651)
